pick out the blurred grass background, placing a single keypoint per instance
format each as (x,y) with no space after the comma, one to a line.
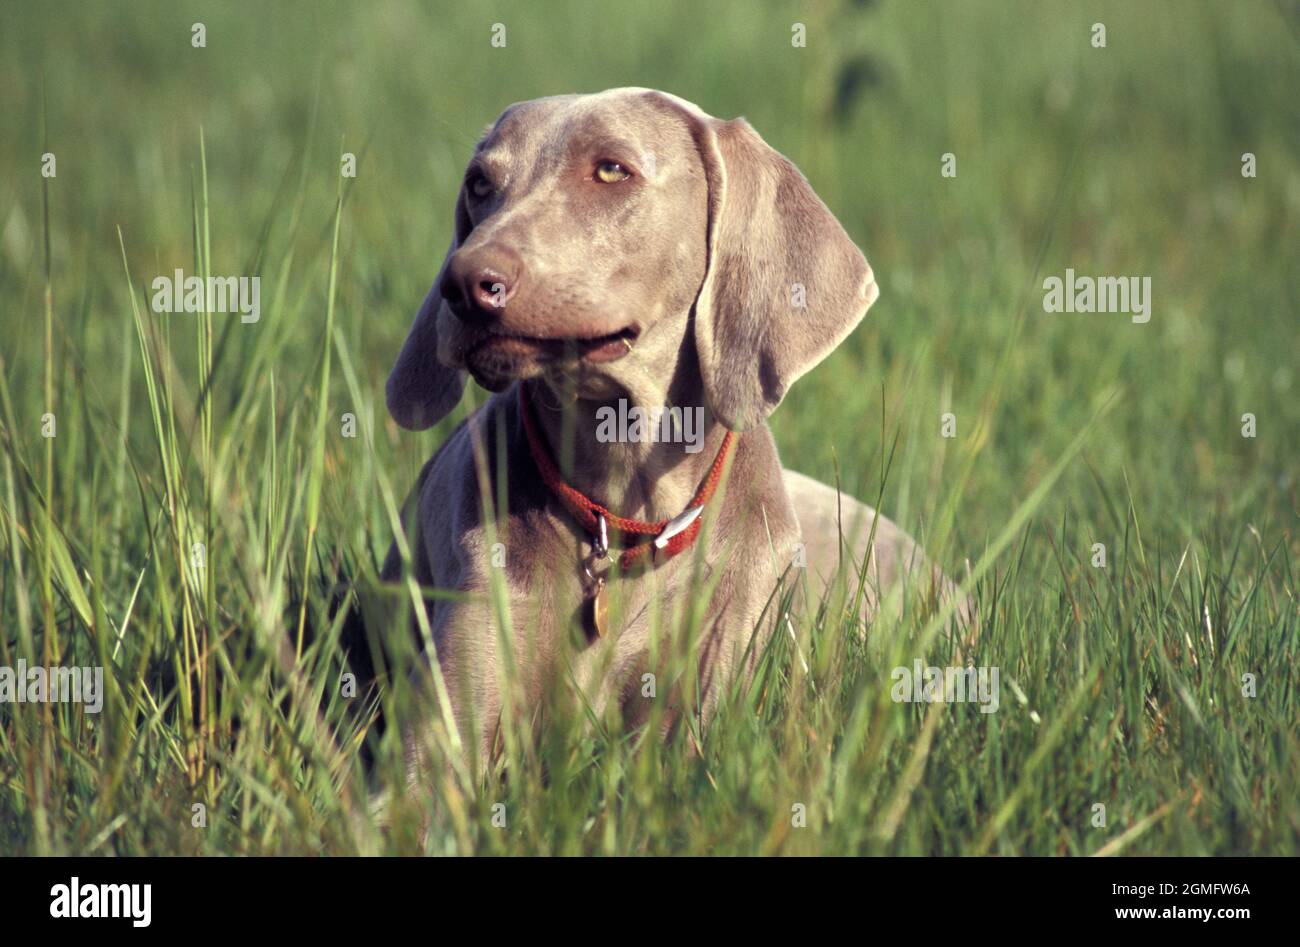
(1117,161)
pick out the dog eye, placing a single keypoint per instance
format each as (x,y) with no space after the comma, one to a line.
(611,172)
(480,186)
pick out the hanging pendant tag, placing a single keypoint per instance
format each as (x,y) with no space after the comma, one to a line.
(676,525)
(596,611)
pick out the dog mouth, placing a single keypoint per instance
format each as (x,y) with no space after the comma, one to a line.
(502,347)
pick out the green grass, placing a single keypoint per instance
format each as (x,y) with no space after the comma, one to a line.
(1121,686)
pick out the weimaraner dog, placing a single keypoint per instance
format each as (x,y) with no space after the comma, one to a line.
(625,247)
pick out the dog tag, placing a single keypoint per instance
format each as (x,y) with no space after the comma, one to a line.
(597,609)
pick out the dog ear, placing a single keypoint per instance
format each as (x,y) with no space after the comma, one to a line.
(421,391)
(784,285)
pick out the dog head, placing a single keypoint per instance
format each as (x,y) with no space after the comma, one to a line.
(598,237)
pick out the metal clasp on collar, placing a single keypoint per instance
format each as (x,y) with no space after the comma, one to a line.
(677,524)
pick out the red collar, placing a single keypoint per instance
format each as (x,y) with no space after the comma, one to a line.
(590,513)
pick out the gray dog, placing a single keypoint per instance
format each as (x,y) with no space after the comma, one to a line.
(614,250)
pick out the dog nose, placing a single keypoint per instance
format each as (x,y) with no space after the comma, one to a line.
(478,285)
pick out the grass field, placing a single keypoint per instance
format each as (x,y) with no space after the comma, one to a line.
(1123,685)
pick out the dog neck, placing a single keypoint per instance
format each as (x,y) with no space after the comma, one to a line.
(619,450)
